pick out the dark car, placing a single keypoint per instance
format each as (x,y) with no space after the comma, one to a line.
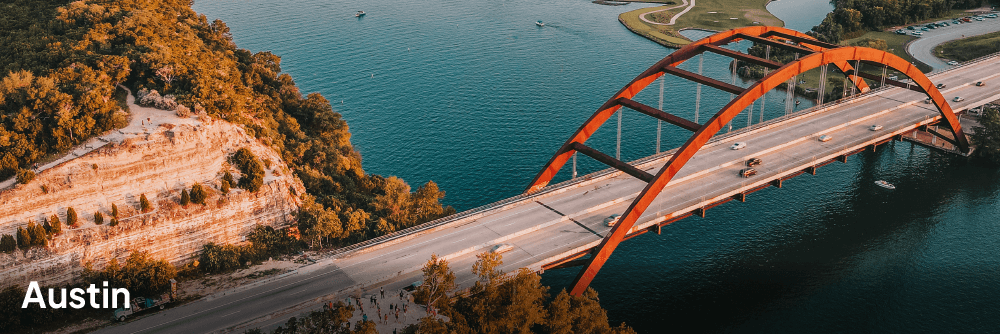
(940,86)
(980,83)
(753,162)
(748,172)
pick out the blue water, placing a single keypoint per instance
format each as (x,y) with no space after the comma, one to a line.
(475,96)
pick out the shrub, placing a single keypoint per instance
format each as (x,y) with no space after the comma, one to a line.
(71,217)
(144,204)
(25,175)
(55,226)
(114,210)
(140,274)
(23,238)
(7,243)
(221,258)
(198,194)
(227,177)
(185,198)
(114,222)
(250,167)
(38,236)
(98,218)
(224,188)
(183,111)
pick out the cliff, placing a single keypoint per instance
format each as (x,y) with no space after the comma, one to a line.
(158,161)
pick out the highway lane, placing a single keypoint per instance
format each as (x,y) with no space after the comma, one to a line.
(923,47)
(558,223)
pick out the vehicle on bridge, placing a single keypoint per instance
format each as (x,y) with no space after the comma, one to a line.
(980,84)
(825,138)
(501,248)
(738,145)
(958,99)
(875,127)
(753,162)
(612,220)
(940,86)
(748,172)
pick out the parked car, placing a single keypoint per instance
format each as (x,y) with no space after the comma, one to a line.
(980,83)
(738,145)
(612,220)
(940,86)
(910,28)
(952,63)
(825,138)
(753,162)
(875,127)
(958,99)
(501,248)
(901,32)
(917,33)
(748,172)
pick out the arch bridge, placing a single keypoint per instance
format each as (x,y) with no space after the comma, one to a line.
(810,54)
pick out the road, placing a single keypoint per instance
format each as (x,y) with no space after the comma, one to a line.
(923,47)
(567,218)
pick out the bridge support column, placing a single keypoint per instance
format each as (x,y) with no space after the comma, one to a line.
(842,158)
(742,197)
(811,170)
(776,183)
(700,212)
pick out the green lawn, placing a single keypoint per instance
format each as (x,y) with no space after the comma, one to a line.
(969,48)
(896,43)
(715,15)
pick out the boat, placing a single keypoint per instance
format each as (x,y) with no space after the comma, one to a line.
(360,13)
(884,184)
(539,23)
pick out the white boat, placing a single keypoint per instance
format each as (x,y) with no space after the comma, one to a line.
(884,184)
(539,23)
(360,13)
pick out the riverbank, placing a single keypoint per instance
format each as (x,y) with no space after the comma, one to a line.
(969,48)
(663,24)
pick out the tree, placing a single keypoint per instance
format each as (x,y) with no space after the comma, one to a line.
(7,243)
(25,175)
(144,204)
(224,187)
(114,211)
(251,168)
(71,217)
(318,223)
(986,136)
(141,274)
(438,284)
(98,218)
(579,314)
(23,238)
(185,198)
(228,178)
(38,235)
(198,194)
(55,224)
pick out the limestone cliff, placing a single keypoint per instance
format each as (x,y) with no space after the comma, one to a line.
(157,162)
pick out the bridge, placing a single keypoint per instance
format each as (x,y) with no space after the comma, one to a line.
(563,225)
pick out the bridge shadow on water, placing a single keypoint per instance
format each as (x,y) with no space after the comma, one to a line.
(830,253)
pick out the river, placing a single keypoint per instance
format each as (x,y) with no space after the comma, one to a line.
(475,96)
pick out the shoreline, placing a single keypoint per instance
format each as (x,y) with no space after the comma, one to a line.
(668,35)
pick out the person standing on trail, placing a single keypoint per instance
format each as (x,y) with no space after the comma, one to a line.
(386,319)
(382,291)
(400,294)
(364,317)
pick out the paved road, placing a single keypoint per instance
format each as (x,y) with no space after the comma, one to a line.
(568,218)
(923,47)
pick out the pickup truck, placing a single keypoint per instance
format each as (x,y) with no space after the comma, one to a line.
(140,304)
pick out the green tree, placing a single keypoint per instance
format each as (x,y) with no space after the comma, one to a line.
(23,238)
(7,243)
(114,211)
(438,284)
(55,224)
(25,175)
(986,136)
(38,235)
(185,198)
(198,194)
(144,204)
(251,168)
(228,178)
(317,223)
(98,218)
(224,187)
(71,218)
(141,274)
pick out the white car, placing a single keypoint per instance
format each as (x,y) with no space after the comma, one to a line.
(612,220)
(875,127)
(501,248)
(958,99)
(738,145)
(952,63)
(917,33)
(825,138)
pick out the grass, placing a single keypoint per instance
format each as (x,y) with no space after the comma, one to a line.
(714,15)
(896,45)
(969,48)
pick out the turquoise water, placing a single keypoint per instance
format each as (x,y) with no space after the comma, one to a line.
(475,96)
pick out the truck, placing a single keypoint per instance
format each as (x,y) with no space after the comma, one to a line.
(139,304)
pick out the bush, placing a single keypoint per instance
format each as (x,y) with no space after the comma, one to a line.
(185,198)
(23,238)
(141,275)
(198,194)
(71,217)
(55,226)
(98,218)
(144,204)
(222,258)
(152,98)
(224,188)
(25,175)
(7,243)
(114,222)
(183,111)
(114,210)
(38,235)
(250,167)
(227,177)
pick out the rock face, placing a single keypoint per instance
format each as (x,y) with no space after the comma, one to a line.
(158,163)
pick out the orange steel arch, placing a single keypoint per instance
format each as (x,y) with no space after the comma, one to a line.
(837,56)
(756,33)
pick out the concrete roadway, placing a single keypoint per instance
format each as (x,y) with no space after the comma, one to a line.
(923,47)
(568,218)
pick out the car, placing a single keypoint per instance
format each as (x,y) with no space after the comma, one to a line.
(910,28)
(612,220)
(940,86)
(753,162)
(748,172)
(501,248)
(825,138)
(980,84)
(875,127)
(738,145)
(928,100)
(992,16)
(979,19)
(952,63)
(917,33)
(966,19)
(901,32)
(958,99)
(956,22)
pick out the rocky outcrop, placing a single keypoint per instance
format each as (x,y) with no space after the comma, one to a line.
(157,163)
